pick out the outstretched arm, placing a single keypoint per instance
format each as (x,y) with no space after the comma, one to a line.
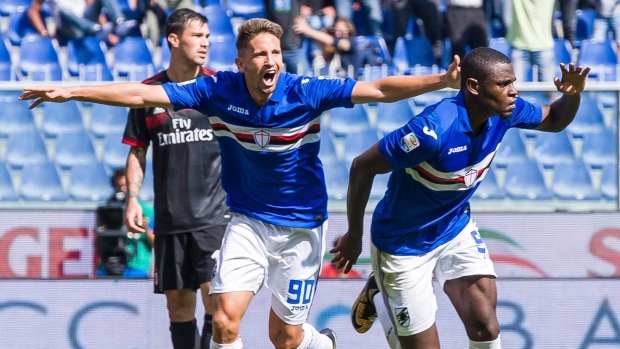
(561,112)
(127,94)
(395,88)
(363,171)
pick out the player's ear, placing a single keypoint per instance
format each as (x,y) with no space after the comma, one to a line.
(240,64)
(173,39)
(472,86)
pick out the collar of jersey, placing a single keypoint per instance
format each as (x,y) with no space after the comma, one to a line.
(464,125)
(278,93)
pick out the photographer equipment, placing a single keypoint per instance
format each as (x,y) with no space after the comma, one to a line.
(112,238)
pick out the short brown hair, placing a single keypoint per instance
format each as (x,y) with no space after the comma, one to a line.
(252,28)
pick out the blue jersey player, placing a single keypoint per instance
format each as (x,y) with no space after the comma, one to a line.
(422,226)
(267,126)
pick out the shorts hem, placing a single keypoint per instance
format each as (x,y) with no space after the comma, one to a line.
(228,290)
(420,329)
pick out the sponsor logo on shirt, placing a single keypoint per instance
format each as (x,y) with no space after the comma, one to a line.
(409,142)
(429,132)
(184,134)
(238,110)
(457,149)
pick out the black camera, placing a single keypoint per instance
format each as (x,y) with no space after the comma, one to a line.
(112,237)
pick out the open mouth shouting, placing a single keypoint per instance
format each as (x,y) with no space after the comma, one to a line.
(269,77)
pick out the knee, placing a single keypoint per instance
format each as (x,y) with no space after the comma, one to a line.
(225,325)
(284,339)
(484,331)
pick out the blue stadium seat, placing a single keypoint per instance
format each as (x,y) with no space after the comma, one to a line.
(355,143)
(246,9)
(15,115)
(553,148)
(601,57)
(133,58)
(512,149)
(107,119)
(600,148)
(336,179)
(61,118)
(501,45)
(114,151)
(391,116)
(10,6)
(413,51)
(572,181)
(90,182)
(86,59)
(368,73)
(524,180)
(147,192)
(433,97)
(74,148)
(372,50)
(24,148)
(19,27)
(221,54)
(589,118)
(563,54)
(41,182)
(164,61)
(38,58)
(489,188)
(219,21)
(327,152)
(347,120)
(7,190)
(585,25)
(609,181)
(6,67)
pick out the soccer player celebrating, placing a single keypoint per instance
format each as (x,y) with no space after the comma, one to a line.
(267,124)
(422,226)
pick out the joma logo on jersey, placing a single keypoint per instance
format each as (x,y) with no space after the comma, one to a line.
(409,142)
(457,149)
(238,110)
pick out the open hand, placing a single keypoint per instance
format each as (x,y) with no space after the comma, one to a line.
(453,74)
(45,94)
(573,79)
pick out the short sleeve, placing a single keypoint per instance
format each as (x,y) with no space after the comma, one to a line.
(136,131)
(410,145)
(189,94)
(526,115)
(324,93)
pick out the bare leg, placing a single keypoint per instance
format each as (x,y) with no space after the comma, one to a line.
(229,310)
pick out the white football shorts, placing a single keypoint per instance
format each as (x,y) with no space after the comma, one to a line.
(406,281)
(286,260)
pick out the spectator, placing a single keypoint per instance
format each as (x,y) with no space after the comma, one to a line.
(133,252)
(607,19)
(331,270)
(80,18)
(531,39)
(467,24)
(319,14)
(284,12)
(569,19)
(338,48)
(373,16)
(158,13)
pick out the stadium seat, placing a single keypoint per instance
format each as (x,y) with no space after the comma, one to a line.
(221,54)
(563,54)
(164,61)
(489,188)
(601,57)
(38,59)
(572,181)
(7,190)
(89,182)
(133,58)
(219,21)
(372,50)
(336,179)
(146,191)
(391,116)
(347,120)
(600,148)
(609,181)
(131,10)
(585,25)
(24,148)
(74,148)
(413,51)
(19,27)
(553,148)
(61,118)
(368,73)
(15,115)
(7,7)
(512,149)
(114,151)
(433,97)
(246,9)
(41,182)
(6,66)
(327,152)
(501,45)
(524,180)
(355,143)
(589,118)
(86,59)
(107,119)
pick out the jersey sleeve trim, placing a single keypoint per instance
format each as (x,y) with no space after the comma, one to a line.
(135,142)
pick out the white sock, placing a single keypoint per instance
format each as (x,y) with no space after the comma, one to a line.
(386,321)
(234,345)
(495,344)
(313,339)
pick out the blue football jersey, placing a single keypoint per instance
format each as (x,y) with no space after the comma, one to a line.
(270,164)
(437,164)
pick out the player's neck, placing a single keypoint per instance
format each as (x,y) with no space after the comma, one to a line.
(182,72)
